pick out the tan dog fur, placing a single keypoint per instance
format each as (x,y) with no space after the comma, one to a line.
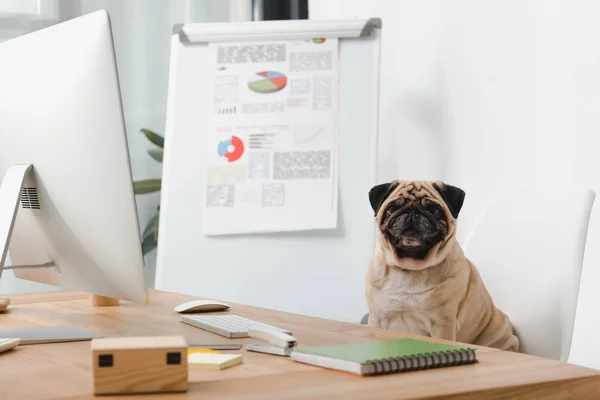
(441,296)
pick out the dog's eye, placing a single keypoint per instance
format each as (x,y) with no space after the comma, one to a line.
(432,207)
(435,209)
(395,206)
(392,208)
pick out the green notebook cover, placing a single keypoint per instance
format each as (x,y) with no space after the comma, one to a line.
(368,352)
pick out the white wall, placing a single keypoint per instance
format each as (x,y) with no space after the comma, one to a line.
(488,95)
(519,94)
(485,93)
(411,113)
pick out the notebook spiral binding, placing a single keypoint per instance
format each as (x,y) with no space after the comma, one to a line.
(423,361)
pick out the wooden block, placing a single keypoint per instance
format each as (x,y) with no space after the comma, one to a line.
(4,302)
(156,364)
(102,301)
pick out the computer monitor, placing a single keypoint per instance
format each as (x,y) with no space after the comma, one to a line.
(67,208)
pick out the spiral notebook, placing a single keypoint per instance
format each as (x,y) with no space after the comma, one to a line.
(386,356)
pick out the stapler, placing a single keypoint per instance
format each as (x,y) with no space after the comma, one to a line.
(280,343)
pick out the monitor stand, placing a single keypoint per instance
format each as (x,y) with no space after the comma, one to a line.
(10,193)
(102,301)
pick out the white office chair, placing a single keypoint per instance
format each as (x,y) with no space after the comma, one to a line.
(585,346)
(529,247)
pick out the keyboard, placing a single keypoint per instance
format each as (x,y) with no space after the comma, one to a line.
(8,343)
(230,326)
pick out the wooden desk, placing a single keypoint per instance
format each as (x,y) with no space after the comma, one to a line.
(62,370)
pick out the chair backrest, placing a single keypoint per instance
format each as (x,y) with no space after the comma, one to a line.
(529,246)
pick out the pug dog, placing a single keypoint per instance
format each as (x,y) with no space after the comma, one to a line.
(419,280)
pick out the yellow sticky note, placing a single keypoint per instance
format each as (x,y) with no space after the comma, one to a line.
(214,362)
(193,350)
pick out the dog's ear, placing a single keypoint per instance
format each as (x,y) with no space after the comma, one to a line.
(453,197)
(379,193)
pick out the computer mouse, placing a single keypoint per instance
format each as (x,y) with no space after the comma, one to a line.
(201,306)
(4,302)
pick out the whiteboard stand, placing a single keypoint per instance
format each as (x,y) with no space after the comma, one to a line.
(318,273)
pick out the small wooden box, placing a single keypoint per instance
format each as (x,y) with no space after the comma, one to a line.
(140,365)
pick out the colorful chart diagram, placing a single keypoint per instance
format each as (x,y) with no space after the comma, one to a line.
(267,82)
(232,149)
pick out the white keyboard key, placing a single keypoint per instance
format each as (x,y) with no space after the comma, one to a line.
(229,326)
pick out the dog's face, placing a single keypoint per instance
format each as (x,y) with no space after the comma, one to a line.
(415,216)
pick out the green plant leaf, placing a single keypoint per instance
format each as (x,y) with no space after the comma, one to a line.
(150,226)
(148,244)
(154,137)
(147,186)
(157,154)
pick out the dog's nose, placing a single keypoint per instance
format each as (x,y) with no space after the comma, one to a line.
(408,219)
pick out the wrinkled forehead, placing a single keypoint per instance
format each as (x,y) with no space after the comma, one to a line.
(415,191)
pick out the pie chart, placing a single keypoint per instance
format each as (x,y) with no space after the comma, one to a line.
(267,82)
(231,148)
